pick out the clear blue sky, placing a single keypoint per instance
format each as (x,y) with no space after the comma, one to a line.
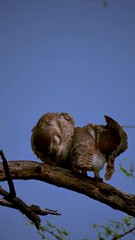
(64,55)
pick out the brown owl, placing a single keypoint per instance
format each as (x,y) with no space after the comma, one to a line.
(52,138)
(94,145)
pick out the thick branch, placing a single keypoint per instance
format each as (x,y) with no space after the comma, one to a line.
(99,191)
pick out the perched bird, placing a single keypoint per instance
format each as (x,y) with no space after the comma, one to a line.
(51,138)
(95,145)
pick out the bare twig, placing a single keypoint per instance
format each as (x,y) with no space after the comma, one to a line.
(128,126)
(45,211)
(7,172)
(124,234)
(36,209)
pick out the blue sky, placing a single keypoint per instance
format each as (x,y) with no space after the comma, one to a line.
(74,56)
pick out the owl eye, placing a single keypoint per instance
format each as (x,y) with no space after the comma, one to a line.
(67,118)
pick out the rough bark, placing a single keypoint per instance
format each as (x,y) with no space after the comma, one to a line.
(60,177)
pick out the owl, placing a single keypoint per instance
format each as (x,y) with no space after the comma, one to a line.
(94,145)
(51,138)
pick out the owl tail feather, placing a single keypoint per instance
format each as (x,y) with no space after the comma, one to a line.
(112,124)
(123,144)
(109,170)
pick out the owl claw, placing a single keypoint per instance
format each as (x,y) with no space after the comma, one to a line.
(98,179)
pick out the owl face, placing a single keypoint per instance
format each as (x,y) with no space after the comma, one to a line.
(52,137)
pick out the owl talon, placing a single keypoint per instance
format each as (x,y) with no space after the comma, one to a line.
(98,179)
(80,174)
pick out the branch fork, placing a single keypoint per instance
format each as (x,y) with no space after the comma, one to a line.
(11,200)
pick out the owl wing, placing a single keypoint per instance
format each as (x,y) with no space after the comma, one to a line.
(111,141)
(83,154)
(80,152)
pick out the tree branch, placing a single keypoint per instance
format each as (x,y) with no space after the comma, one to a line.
(22,206)
(11,200)
(7,172)
(36,209)
(124,234)
(60,177)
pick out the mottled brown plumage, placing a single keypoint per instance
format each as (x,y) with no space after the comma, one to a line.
(52,138)
(94,145)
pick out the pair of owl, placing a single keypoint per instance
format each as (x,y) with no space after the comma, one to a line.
(56,140)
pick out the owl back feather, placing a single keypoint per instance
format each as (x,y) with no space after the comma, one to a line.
(93,145)
(84,155)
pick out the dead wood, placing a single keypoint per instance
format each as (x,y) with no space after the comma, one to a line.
(100,191)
